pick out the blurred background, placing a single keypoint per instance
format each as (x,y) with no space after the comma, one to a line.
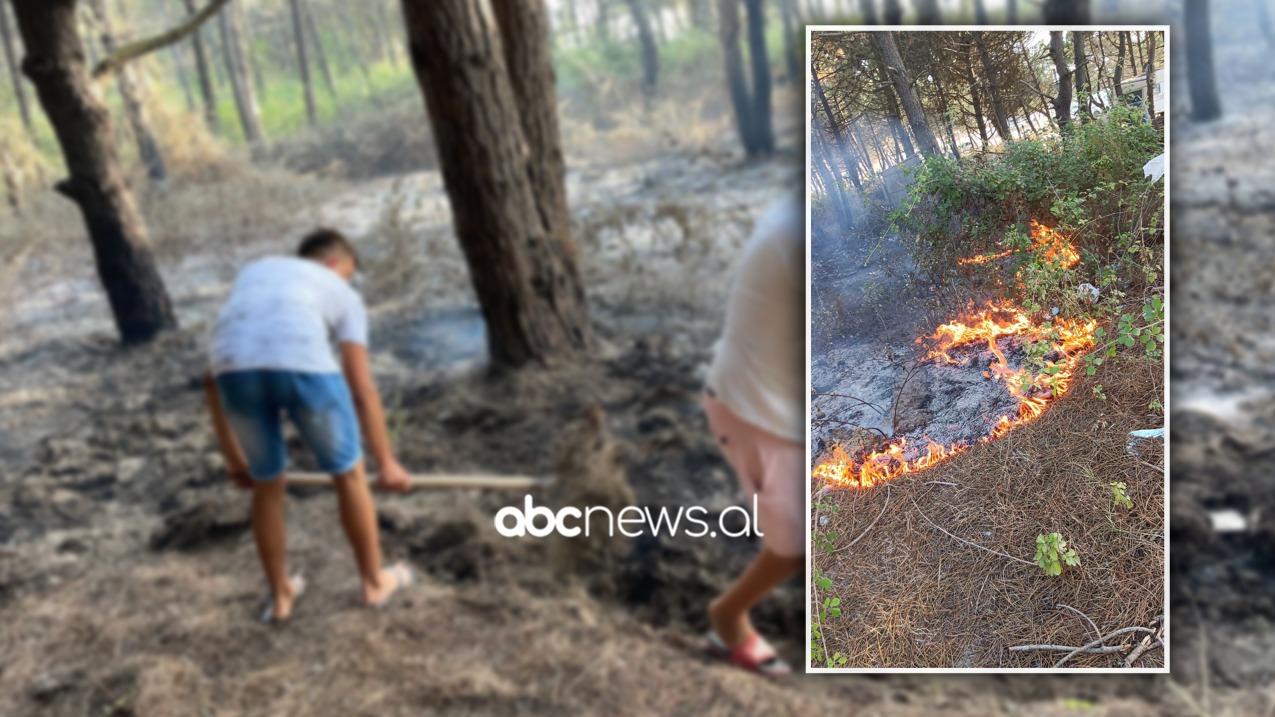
(127,581)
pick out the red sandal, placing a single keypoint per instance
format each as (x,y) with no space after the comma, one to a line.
(753,654)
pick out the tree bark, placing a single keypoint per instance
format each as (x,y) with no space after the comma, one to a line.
(927,12)
(974,98)
(134,103)
(125,265)
(1118,80)
(1062,102)
(911,103)
(526,281)
(524,25)
(1149,68)
(1066,12)
(646,40)
(980,13)
(206,89)
(303,63)
(868,11)
(792,56)
(240,80)
(1205,104)
(760,65)
(320,53)
(999,117)
(892,12)
(1084,88)
(838,133)
(752,106)
(15,72)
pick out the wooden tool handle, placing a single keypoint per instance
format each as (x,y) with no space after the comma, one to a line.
(440,481)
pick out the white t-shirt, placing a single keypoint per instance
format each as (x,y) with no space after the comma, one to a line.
(283,313)
(759,369)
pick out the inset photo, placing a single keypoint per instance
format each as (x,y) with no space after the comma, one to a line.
(987,307)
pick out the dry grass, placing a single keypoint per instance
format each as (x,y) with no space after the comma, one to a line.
(914,597)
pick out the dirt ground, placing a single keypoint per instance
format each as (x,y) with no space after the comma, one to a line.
(914,596)
(128,584)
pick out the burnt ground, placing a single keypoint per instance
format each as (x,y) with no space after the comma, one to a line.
(913,596)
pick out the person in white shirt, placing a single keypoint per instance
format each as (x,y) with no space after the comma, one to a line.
(272,355)
(755,403)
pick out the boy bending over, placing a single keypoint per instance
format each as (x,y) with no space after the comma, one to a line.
(271,354)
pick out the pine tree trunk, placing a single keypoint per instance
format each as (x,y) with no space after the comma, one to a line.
(892,12)
(868,12)
(764,135)
(526,281)
(525,25)
(736,79)
(646,39)
(246,44)
(125,265)
(792,56)
(980,13)
(1149,67)
(999,117)
(1066,12)
(1011,12)
(1118,80)
(907,96)
(134,104)
(206,89)
(1084,88)
(320,52)
(179,64)
(927,12)
(1062,101)
(303,64)
(838,134)
(974,97)
(240,80)
(15,71)
(1205,104)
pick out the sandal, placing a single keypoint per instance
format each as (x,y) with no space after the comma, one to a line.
(753,654)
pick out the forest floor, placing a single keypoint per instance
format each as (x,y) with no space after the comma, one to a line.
(128,584)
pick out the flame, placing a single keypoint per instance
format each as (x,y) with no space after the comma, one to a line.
(1045,240)
(1068,341)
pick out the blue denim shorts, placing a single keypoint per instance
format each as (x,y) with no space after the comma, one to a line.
(318,404)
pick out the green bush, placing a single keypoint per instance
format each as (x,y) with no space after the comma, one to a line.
(1088,184)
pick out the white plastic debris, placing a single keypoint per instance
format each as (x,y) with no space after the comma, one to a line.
(1154,168)
(1088,291)
(1136,437)
(1228,521)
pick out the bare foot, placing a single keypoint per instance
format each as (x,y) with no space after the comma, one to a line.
(399,575)
(281,602)
(733,629)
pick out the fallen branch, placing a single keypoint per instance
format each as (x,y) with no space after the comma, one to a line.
(1100,650)
(133,50)
(1157,469)
(1143,647)
(1099,641)
(1094,625)
(963,540)
(874,522)
(852,398)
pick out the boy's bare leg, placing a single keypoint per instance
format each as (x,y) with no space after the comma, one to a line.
(358,518)
(729,612)
(271,538)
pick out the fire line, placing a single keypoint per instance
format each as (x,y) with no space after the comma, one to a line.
(1068,342)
